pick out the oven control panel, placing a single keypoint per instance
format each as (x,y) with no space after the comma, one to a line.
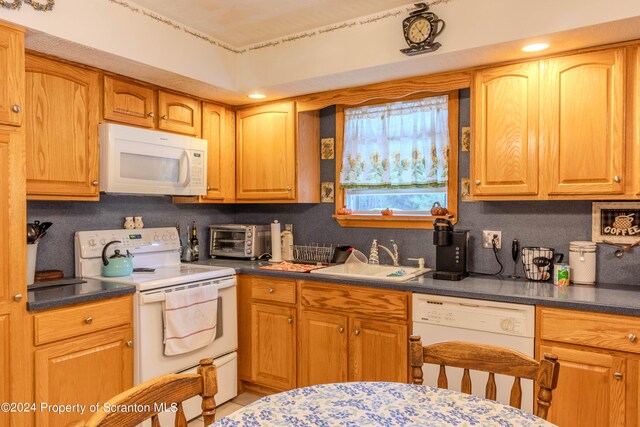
(142,240)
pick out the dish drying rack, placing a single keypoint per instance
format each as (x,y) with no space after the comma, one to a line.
(313,253)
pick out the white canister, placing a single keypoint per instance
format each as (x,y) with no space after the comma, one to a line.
(582,259)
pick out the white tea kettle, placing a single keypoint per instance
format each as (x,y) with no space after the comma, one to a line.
(117,265)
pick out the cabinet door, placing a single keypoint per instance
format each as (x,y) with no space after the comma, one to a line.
(179,113)
(12,72)
(505,151)
(265,153)
(589,392)
(323,348)
(62,130)
(273,346)
(83,371)
(244,328)
(378,351)
(13,344)
(582,113)
(218,128)
(129,103)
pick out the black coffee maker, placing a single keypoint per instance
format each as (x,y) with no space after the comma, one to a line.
(452,248)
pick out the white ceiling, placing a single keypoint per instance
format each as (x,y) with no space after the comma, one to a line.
(246,22)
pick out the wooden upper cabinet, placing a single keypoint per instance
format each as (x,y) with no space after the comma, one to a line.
(179,113)
(12,72)
(582,114)
(129,103)
(266,153)
(62,115)
(218,128)
(505,150)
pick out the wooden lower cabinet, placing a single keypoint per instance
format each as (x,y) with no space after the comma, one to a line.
(377,351)
(84,371)
(599,355)
(588,393)
(324,348)
(273,346)
(82,355)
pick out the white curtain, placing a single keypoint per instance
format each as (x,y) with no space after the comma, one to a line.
(397,145)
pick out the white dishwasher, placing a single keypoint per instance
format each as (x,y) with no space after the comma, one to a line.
(440,318)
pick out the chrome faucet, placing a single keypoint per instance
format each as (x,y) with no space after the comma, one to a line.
(394,255)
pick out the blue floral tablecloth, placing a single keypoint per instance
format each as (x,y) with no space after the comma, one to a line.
(377,404)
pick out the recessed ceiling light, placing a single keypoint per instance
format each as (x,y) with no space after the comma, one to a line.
(257,96)
(535,47)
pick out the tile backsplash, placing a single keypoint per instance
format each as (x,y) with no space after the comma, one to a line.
(553,224)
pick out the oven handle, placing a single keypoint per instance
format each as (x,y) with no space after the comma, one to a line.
(158,296)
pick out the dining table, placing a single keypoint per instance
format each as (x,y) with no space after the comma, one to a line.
(377,404)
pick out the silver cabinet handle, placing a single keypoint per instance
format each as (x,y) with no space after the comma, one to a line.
(288,188)
(617,375)
(164,117)
(151,114)
(129,343)
(95,182)
(209,188)
(341,329)
(17,297)
(478,182)
(356,332)
(632,338)
(16,108)
(290,320)
(88,320)
(270,290)
(617,178)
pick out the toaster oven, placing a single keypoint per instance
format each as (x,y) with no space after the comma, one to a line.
(239,240)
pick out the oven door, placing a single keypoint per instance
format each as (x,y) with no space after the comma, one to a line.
(149,358)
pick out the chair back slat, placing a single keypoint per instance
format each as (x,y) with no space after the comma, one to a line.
(491,359)
(491,389)
(515,399)
(442,378)
(465,385)
(180,419)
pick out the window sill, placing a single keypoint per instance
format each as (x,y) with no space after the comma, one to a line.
(391,221)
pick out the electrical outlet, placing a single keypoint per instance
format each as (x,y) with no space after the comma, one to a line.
(487,236)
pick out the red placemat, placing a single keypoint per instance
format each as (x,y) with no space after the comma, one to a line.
(288,266)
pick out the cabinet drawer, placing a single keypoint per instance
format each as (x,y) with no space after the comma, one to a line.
(70,322)
(356,300)
(591,329)
(280,290)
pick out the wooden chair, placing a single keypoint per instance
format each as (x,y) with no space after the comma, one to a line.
(491,359)
(163,391)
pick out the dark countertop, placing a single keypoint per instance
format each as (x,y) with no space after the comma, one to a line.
(46,298)
(606,298)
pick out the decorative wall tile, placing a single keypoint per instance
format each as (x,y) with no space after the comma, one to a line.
(327,148)
(327,193)
(466,138)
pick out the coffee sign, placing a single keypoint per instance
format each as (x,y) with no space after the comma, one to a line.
(618,222)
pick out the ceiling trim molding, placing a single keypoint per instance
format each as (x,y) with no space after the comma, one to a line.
(364,20)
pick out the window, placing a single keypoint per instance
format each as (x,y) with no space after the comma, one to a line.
(400,155)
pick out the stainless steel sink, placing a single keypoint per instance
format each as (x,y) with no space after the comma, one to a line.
(387,273)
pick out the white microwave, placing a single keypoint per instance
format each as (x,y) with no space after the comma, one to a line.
(142,161)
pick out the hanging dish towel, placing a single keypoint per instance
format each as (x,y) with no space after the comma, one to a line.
(190,317)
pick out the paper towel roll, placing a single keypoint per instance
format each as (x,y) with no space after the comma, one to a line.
(276,248)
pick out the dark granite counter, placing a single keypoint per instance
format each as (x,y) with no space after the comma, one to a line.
(607,298)
(46,298)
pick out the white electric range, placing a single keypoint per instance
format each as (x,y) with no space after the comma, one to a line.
(159,249)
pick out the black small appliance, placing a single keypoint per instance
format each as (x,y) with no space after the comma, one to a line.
(452,248)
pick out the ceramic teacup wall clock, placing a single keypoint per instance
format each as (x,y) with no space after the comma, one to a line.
(420,28)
